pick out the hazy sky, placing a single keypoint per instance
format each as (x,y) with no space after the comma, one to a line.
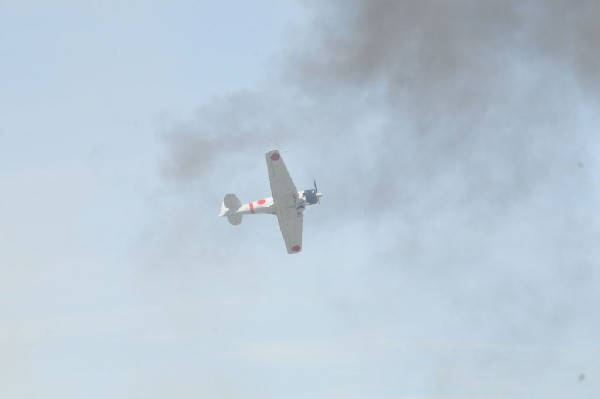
(454,253)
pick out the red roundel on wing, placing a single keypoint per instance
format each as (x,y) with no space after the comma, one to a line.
(275,156)
(261,202)
(296,248)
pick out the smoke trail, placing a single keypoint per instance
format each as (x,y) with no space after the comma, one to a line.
(456,140)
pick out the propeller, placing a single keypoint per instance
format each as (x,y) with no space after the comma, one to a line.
(316,190)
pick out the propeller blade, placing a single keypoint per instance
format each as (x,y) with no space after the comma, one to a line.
(316,191)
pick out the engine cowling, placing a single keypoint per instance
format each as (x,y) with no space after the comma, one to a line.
(311,196)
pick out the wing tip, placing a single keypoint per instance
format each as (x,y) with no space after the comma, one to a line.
(273,155)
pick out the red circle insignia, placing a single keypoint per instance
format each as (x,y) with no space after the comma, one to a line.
(261,202)
(275,156)
(296,248)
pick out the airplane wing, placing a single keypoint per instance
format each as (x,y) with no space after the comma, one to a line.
(284,196)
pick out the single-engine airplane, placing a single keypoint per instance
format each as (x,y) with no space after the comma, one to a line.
(287,203)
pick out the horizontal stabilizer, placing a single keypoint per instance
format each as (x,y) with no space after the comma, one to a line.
(235,219)
(230,205)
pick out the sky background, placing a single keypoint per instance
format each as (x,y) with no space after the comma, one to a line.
(454,253)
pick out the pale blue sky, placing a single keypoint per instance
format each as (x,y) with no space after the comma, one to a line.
(84,90)
(454,253)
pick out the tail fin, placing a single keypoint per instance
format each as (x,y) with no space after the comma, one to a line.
(229,208)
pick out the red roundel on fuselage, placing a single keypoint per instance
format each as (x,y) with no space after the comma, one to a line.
(261,202)
(275,156)
(296,248)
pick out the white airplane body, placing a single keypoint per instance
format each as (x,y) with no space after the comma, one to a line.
(287,203)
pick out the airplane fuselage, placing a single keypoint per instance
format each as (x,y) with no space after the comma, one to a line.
(267,205)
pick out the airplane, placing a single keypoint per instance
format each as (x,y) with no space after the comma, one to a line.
(287,203)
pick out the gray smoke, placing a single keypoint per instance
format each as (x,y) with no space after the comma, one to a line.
(456,143)
(489,89)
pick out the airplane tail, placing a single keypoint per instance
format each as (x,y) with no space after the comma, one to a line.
(229,208)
